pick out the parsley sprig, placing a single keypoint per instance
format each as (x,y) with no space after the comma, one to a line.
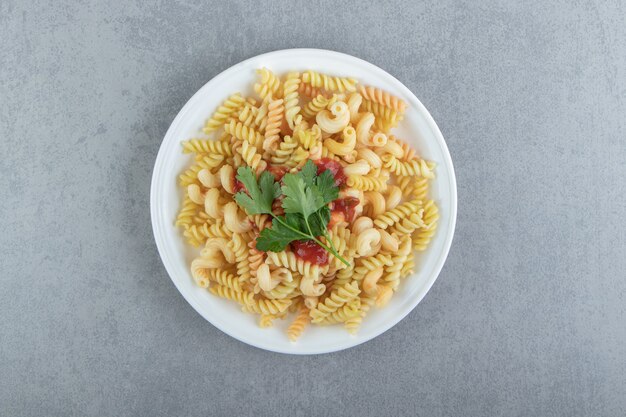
(305,202)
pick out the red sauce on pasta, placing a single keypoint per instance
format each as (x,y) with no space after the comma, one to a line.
(334,167)
(239,186)
(345,206)
(278,171)
(310,251)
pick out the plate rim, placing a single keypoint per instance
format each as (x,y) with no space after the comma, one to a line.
(158,171)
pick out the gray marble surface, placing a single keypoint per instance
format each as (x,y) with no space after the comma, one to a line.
(527,317)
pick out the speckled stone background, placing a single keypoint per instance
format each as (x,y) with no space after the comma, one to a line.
(528,316)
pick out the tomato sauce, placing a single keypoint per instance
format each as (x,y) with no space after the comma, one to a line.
(334,167)
(310,251)
(278,171)
(346,207)
(239,186)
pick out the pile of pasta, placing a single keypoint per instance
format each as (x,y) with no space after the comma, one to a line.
(306,116)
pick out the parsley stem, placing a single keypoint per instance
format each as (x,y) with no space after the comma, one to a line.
(332,250)
(289,227)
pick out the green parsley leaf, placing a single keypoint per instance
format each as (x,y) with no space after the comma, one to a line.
(279,236)
(319,220)
(298,197)
(325,187)
(306,206)
(260,195)
(308,173)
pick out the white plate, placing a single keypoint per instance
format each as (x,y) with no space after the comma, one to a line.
(418,128)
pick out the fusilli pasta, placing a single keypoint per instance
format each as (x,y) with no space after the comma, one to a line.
(383,211)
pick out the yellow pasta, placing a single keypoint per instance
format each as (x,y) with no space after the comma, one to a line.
(368,183)
(244,133)
(334,301)
(292,105)
(203,146)
(309,138)
(393,216)
(423,236)
(381,96)
(413,168)
(269,87)
(296,327)
(293,119)
(275,117)
(385,117)
(329,83)
(335,119)
(230,106)
(316,105)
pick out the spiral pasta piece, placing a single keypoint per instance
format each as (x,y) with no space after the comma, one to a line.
(247,116)
(264,306)
(367,183)
(297,326)
(244,133)
(224,278)
(334,301)
(266,320)
(292,107)
(420,188)
(309,138)
(329,83)
(250,156)
(343,242)
(385,117)
(408,267)
(242,297)
(316,105)
(229,107)
(291,261)
(381,96)
(298,158)
(276,111)
(306,90)
(209,161)
(414,168)
(392,272)
(269,87)
(204,146)
(343,313)
(353,324)
(260,221)
(370,281)
(409,224)
(408,152)
(423,237)
(285,289)
(391,217)
(374,262)
(197,234)
(255,258)
(285,149)
(190,176)
(238,246)
(187,212)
